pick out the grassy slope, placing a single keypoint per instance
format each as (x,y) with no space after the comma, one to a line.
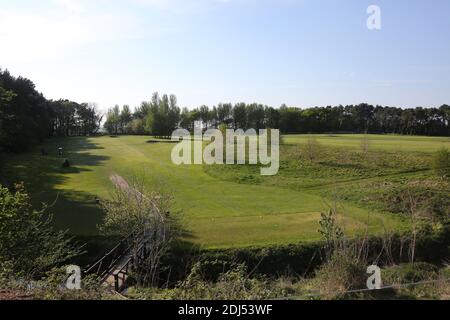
(378,142)
(217,212)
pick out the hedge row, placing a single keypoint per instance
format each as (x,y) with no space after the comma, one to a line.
(300,259)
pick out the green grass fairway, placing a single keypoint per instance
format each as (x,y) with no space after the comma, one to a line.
(216,212)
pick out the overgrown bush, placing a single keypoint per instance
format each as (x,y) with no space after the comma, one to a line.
(441,163)
(340,274)
(29,246)
(432,201)
(142,218)
(408,273)
(270,261)
(235,284)
(52,286)
(312,149)
(418,281)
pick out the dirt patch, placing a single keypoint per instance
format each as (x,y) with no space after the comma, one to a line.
(119,182)
(14,295)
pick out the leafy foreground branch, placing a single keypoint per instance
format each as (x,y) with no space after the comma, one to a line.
(32,253)
(29,246)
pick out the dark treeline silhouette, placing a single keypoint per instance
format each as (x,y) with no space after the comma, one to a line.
(27,118)
(162,115)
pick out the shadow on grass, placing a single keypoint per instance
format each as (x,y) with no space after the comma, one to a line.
(44,172)
(75,211)
(162,141)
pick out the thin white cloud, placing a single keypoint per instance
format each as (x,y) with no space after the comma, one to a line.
(28,35)
(31,36)
(77,6)
(181,6)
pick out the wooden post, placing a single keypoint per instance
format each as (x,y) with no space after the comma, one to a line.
(116,282)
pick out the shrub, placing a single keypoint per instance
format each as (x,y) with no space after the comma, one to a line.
(52,287)
(312,149)
(340,274)
(408,273)
(441,163)
(137,126)
(29,246)
(141,217)
(235,284)
(429,281)
(330,230)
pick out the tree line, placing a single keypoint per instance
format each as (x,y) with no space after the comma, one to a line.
(161,116)
(27,117)
(158,117)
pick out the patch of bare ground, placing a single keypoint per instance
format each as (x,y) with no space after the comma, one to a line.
(14,295)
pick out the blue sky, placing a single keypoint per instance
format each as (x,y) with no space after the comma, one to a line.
(299,52)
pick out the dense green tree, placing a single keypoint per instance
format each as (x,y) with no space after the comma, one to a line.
(125,119)
(28,244)
(163,116)
(112,123)
(272,117)
(137,126)
(224,113)
(26,115)
(186,119)
(5,100)
(289,119)
(27,118)
(240,116)
(255,116)
(360,118)
(204,115)
(142,111)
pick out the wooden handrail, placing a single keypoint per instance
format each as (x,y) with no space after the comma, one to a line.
(107,265)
